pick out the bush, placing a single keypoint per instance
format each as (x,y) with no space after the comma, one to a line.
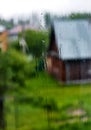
(76,126)
(20,67)
(50,105)
(39,101)
(37,42)
(14,45)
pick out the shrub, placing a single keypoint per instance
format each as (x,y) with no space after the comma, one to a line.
(14,45)
(50,105)
(37,42)
(20,67)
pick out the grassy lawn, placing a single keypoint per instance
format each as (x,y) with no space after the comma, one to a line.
(46,104)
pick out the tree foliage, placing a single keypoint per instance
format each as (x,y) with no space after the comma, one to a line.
(20,68)
(5,80)
(74,16)
(14,70)
(5,72)
(7,23)
(79,15)
(37,42)
(47,18)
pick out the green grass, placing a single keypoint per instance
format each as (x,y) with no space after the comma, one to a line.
(44,99)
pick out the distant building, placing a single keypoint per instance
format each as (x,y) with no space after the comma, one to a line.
(13,33)
(69,52)
(3,38)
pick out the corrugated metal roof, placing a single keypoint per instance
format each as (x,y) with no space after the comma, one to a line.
(73,38)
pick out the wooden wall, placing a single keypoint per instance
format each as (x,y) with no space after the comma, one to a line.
(64,71)
(70,70)
(56,67)
(3,41)
(78,70)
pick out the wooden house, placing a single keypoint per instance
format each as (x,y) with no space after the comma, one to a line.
(3,39)
(69,52)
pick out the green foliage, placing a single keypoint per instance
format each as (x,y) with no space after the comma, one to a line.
(76,126)
(20,67)
(74,16)
(43,92)
(5,72)
(15,69)
(39,101)
(80,15)
(47,18)
(14,45)
(7,23)
(5,81)
(37,42)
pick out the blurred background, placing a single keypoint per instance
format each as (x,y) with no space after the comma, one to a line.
(45,65)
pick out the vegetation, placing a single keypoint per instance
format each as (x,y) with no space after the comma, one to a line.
(50,105)
(48,17)
(43,103)
(37,101)
(14,70)
(48,20)
(80,16)
(7,23)
(37,42)
(5,80)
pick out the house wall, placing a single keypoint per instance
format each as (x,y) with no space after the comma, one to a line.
(56,68)
(70,70)
(66,71)
(3,41)
(78,70)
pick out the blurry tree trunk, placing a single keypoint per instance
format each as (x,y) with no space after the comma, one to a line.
(2,118)
(36,61)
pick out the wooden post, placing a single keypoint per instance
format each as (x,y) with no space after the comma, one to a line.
(2,116)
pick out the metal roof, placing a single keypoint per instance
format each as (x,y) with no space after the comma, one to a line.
(73,38)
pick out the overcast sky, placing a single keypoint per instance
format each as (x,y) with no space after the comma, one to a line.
(9,8)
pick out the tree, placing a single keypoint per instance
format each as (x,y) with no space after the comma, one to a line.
(80,16)
(74,16)
(47,18)
(14,70)
(36,41)
(23,21)
(5,78)
(7,23)
(20,68)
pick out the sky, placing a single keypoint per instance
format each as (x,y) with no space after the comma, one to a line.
(13,8)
